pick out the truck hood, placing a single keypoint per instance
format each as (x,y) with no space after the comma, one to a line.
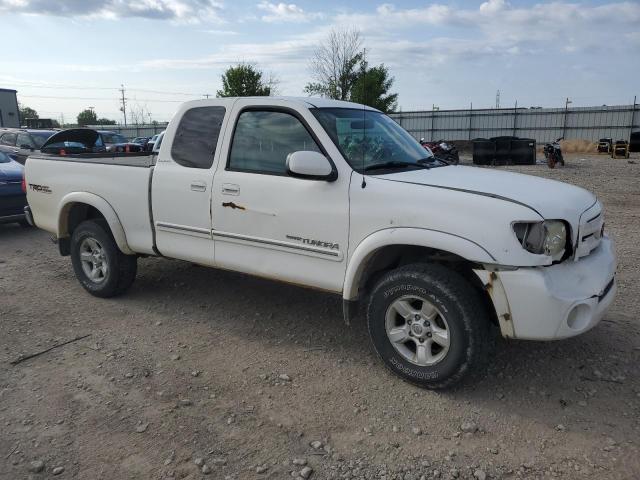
(10,171)
(550,198)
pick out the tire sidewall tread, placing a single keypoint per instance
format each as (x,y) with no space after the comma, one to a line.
(463,309)
(122,268)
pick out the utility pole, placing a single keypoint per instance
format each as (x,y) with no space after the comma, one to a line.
(515,117)
(498,99)
(633,116)
(566,111)
(124,105)
(206,95)
(470,119)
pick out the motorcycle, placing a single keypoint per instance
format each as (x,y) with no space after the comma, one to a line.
(442,150)
(553,153)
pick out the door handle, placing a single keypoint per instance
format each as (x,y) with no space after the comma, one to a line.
(198,186)
(230,189)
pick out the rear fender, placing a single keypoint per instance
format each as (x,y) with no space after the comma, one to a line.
(99,204)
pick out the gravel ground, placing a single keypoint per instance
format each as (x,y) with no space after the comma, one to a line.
(199,373)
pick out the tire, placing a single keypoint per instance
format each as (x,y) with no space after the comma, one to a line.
(24,224)
(458,308)
(551,161)
(102,269)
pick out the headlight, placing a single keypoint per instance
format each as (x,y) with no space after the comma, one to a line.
(548,237)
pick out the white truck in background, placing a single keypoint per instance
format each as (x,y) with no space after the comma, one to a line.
(337,196)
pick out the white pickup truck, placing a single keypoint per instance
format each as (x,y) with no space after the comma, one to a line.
(337,196)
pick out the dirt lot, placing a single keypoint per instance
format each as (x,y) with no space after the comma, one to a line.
(197,365)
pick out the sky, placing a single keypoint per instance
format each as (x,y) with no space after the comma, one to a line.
(66,55)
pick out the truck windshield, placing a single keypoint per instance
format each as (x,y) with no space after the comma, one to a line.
(371,140)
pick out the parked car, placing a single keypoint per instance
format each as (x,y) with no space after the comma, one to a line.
(300,191)
(152,140)
(604,145)
(141,141)
(74,141)
(117,143)
(13,198)
(19,143)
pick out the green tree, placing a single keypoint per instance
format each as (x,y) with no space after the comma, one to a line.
(105,121)
(244,80)
(27,112)
(334,65)
(372,86)
(87,117)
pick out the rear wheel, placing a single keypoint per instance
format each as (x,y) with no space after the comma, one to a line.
(102,269)
(551,160)
(429,325)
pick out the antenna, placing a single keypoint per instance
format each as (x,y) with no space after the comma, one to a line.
(364,111)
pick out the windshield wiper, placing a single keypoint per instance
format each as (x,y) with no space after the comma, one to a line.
(395,164)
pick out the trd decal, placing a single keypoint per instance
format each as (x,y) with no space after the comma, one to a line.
(40,188)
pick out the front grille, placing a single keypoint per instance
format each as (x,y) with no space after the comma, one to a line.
(590,230)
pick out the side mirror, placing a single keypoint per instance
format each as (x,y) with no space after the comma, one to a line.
(310,165)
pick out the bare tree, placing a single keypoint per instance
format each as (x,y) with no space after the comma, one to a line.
(138,114)
(334,65)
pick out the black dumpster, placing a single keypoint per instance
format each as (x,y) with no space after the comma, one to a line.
(634,144)
(504,151)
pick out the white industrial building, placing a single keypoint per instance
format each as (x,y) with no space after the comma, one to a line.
(9,116)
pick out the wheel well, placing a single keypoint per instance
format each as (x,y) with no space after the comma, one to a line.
(73,215)
(395,256)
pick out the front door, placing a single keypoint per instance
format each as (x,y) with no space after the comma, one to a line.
(181,185)
(268,223)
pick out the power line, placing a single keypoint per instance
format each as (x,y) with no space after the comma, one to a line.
(99,98)
(76,87)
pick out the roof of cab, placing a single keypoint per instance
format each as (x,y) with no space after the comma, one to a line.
(308,102)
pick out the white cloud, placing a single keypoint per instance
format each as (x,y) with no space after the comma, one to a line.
(285,12)
(493,6)
(179,10)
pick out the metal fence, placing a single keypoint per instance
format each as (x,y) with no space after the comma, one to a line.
(133,131)
(541,124)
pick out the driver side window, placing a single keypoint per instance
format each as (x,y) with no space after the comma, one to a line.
(263,139)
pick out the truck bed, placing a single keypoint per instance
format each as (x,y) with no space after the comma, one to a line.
(121,180)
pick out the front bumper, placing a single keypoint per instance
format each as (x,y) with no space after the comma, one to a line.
(563,300)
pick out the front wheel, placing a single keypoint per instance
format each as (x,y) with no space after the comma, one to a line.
(102,269)
(429,325)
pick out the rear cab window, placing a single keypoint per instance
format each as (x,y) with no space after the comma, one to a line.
(196,138)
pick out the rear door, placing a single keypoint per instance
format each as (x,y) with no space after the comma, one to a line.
(181,183)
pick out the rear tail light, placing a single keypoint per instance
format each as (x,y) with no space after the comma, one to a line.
(24,184)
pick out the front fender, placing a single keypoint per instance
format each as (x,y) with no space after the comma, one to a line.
(422,237)
(99,204)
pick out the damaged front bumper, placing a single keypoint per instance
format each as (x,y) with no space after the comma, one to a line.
(559,301)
